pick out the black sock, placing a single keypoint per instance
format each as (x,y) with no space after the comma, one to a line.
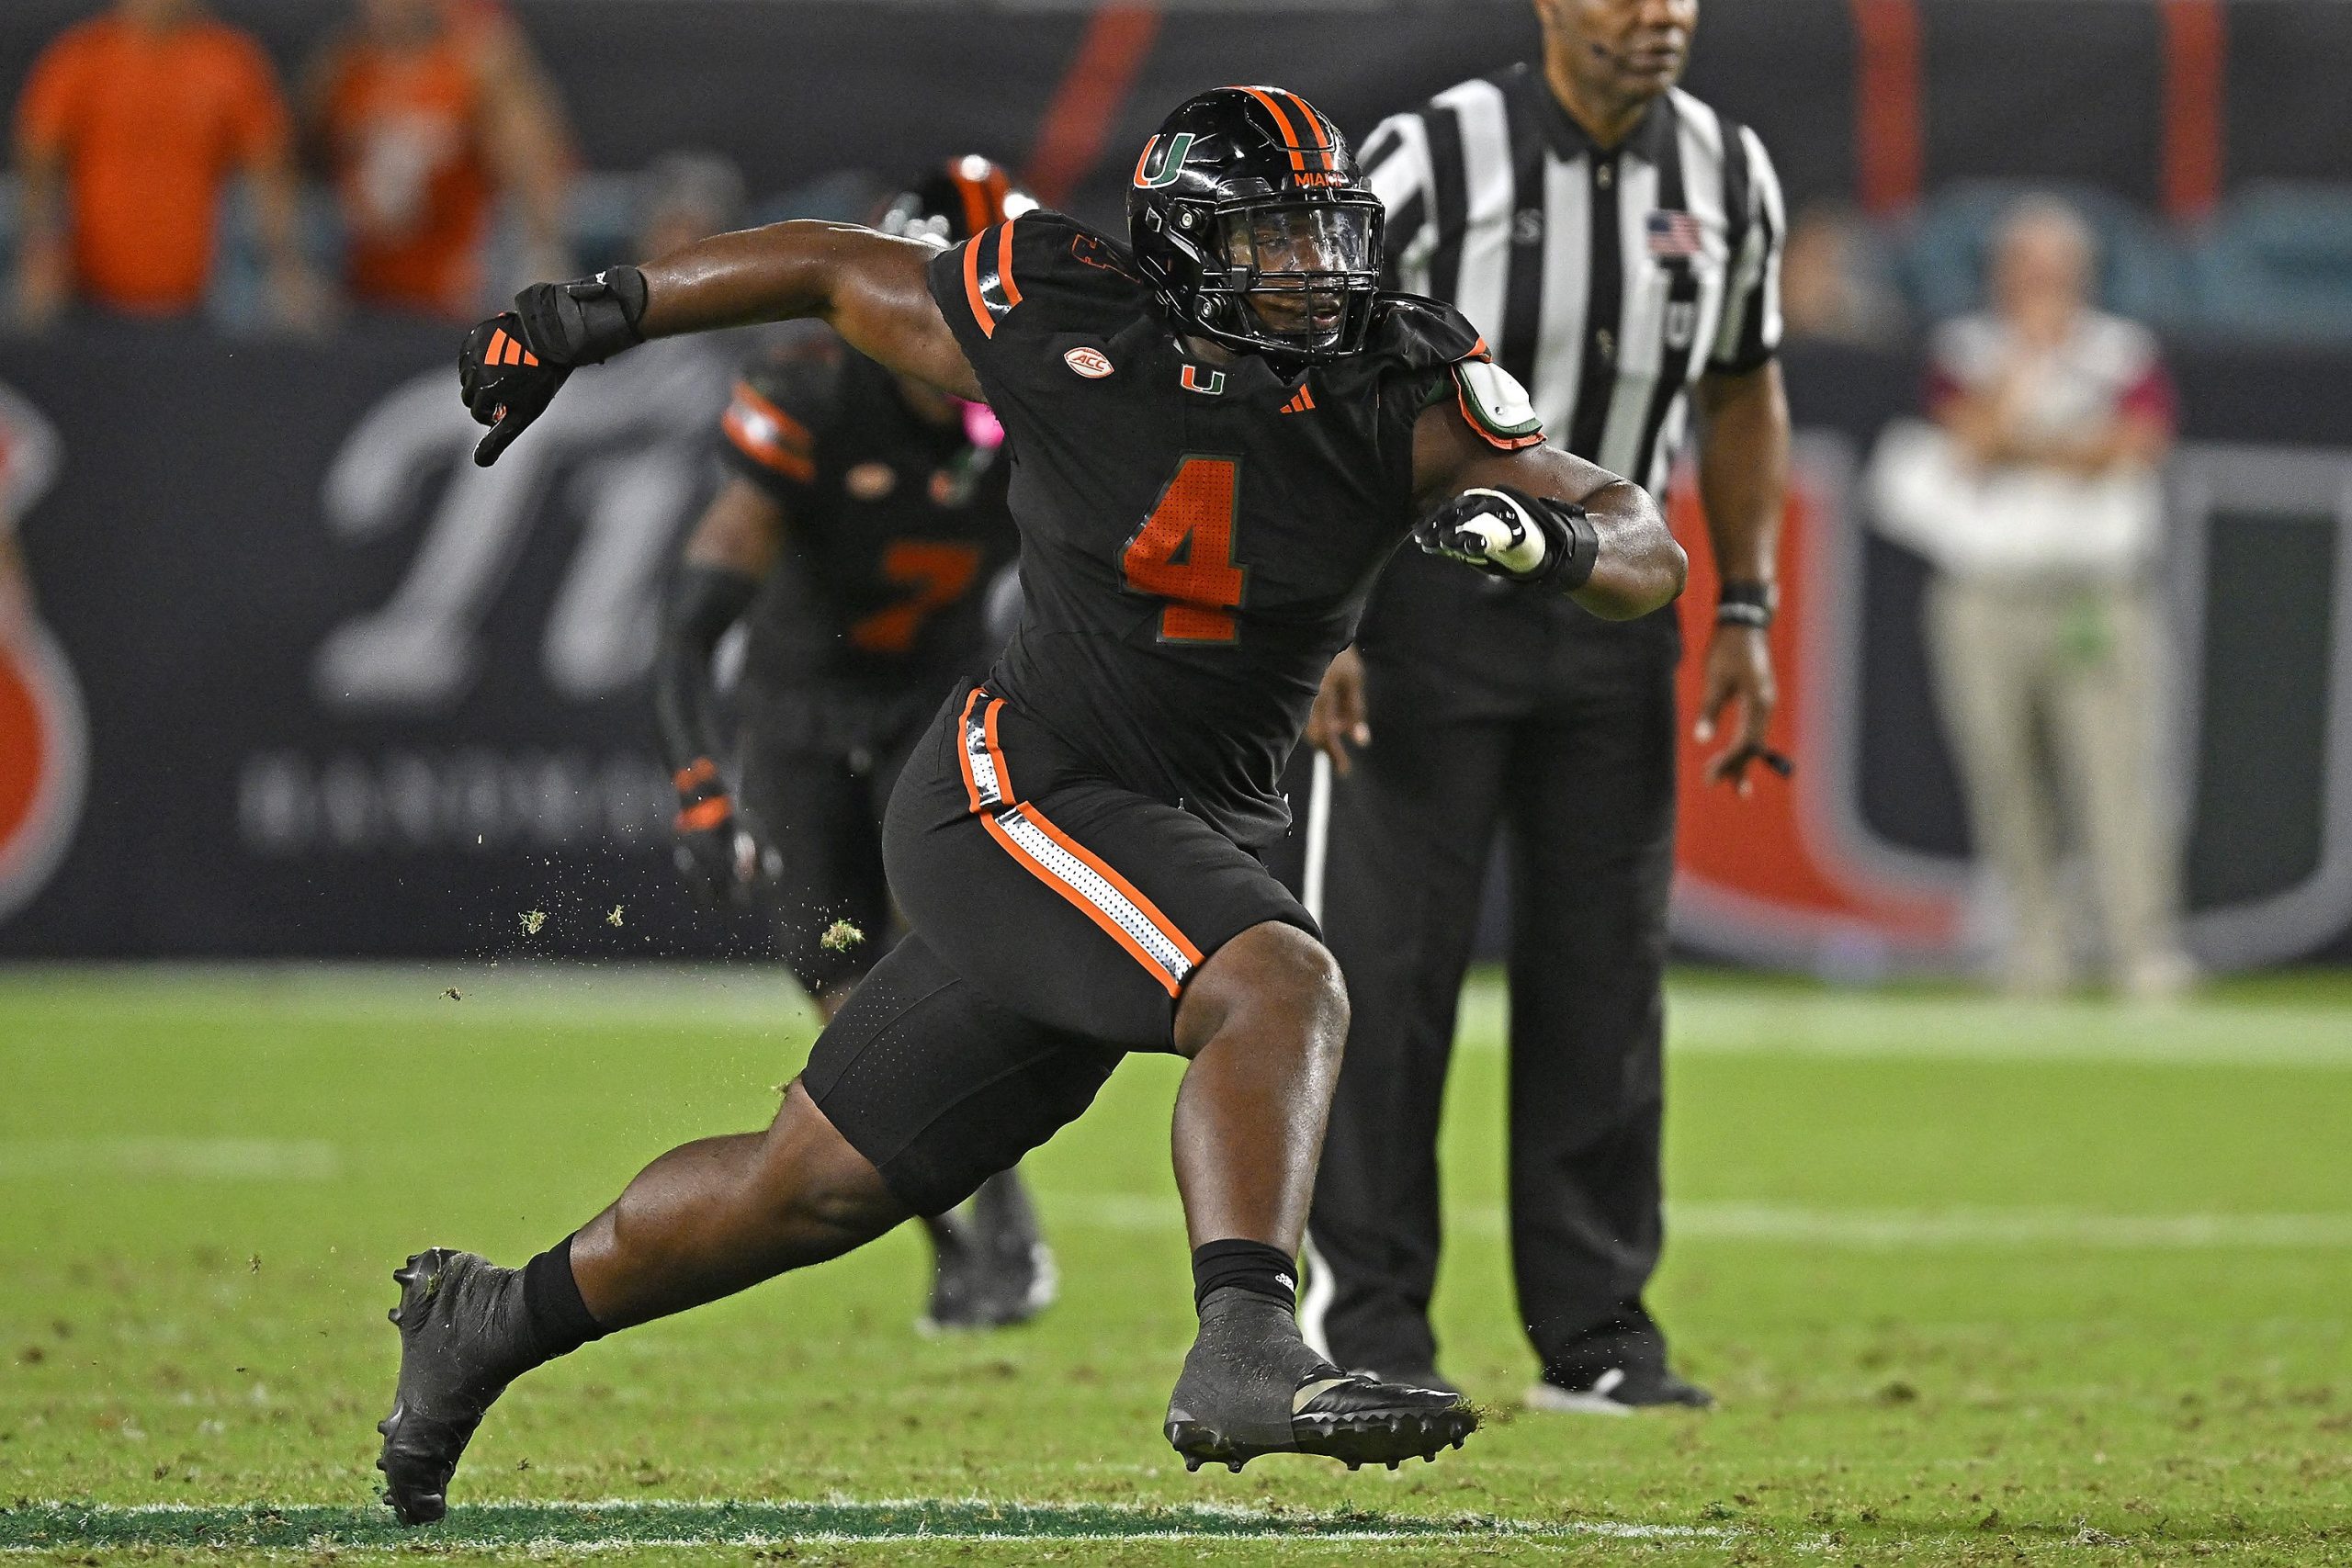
(1248,1265)
(560,1321)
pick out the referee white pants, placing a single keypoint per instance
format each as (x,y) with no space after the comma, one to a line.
(2049,693)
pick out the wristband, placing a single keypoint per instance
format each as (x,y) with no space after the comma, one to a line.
(585,323)
(1744,604)
(1577,543)
(1571,544)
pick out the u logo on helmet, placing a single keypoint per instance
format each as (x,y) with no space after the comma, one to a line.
(1153,174)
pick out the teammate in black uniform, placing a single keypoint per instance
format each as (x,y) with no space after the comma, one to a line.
(862,524)
(1217,436)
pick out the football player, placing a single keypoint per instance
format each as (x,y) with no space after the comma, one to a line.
(1219,432)
(862,523)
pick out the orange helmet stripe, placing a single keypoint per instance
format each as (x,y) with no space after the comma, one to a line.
(1290,137)
(1315,128)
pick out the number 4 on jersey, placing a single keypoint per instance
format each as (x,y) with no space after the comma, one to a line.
(1184,553)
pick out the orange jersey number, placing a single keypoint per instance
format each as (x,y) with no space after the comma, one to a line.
(938,572)
(1184,553)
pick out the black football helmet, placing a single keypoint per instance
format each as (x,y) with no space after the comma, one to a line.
(1251,223)
(954,201)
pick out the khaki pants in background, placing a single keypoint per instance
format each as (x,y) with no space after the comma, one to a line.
(2037,676)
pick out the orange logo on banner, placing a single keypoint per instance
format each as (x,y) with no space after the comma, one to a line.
(43,763)
(1773,874)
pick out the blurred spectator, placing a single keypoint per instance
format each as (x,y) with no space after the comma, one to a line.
(2041,507)
(686,196)
(1829,289)
(422,113)
(27,463)
(131,125)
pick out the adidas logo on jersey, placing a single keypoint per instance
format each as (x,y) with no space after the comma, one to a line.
(1303,403)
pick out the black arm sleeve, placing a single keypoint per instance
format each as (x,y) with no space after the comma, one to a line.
(701,602)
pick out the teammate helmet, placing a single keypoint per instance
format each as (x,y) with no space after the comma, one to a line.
(1250,220)
(955,200)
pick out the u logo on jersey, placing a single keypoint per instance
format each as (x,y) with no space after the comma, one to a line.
(1213,386)
(1153,174)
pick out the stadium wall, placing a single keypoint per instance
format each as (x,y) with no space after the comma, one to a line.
(2076,90)
(316,686)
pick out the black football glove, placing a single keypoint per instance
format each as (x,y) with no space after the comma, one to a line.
(506,385)
(714,854)
(512,365)
(1509,533)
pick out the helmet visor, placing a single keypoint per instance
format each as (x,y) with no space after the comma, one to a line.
(1298,265)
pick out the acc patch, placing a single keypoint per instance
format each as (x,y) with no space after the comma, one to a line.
(1496,405)
(1091,362)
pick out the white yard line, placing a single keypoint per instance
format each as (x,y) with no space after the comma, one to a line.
(533,1527)
(1881,1229)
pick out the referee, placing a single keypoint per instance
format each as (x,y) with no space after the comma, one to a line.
(1618,244)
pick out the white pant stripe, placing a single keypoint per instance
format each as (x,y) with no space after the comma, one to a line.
(1096,889)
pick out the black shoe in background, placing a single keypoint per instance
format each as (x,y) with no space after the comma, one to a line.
(990,1268)
(1617,1390)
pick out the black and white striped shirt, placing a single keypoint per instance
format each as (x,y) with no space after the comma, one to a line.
(1606,280)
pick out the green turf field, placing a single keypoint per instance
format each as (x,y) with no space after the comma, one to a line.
(1976,1282)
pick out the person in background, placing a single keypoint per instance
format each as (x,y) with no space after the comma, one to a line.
(1830,291)
(421,114)
(2041,621)
(131,125)
(686,196)
(28,455)
(1617,241)
(863,521)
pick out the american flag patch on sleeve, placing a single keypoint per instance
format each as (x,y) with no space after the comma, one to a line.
(1675,234)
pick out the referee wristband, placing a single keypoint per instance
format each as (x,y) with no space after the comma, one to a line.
(1745,605)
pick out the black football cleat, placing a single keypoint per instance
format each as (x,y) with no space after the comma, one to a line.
(1251,1387)
(463,1337)
(989,1267)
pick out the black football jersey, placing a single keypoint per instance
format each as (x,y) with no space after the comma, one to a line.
(1197,539)
(894,527)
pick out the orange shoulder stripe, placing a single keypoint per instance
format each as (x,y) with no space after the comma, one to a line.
(972,286)
(1004,264)
(794,433)
(756,446)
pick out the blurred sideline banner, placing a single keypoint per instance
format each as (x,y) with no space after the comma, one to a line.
(2065,90)
(316,686)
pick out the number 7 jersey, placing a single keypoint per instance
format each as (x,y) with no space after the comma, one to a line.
(1197,537)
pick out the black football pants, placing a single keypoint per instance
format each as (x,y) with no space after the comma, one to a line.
(1583,779)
